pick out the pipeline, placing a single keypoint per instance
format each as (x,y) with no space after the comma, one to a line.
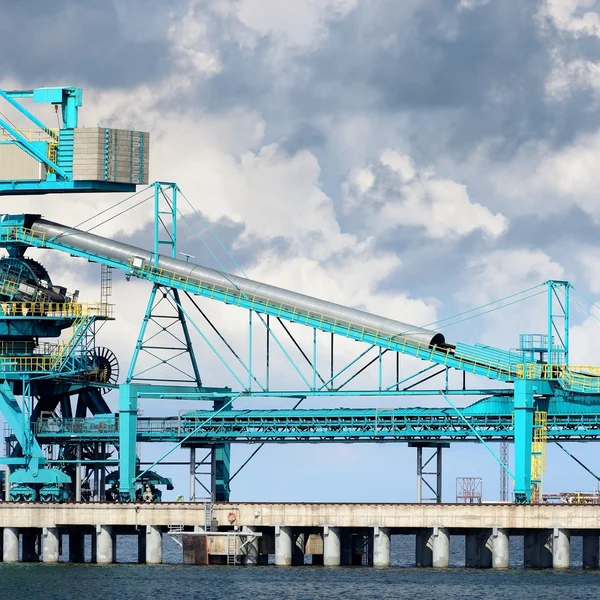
(125,254)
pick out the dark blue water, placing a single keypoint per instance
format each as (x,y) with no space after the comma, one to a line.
(181,582)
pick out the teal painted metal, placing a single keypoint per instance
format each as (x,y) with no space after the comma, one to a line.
(128,406)
(490,419)
(59,173)
(523,415)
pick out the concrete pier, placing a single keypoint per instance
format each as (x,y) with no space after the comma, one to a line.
(381,547)
(441,548)
(590,551)
(10,543)
(31,546)
(50,545)
(154,549)
(332,547)
(333,534)
(561,549)
(105,545)
(252,547)
(424,546)
(298,549)
(478,549)
(500,549)
(545,549)
(346,547)
(76,546)
(283,546)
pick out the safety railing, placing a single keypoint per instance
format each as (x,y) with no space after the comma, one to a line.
(106,425)
(33,134)
(575,378)
(23,235)
(57,309)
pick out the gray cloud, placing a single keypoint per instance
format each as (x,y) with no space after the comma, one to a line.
(97,42)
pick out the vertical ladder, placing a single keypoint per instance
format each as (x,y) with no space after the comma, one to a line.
(105,286)
(231,549)
(538,454)
(208,516)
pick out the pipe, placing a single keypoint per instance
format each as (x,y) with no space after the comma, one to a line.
(125,253)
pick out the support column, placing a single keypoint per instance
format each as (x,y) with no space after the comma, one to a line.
(11,545)
(332,547)
(523,404)
(283,546)
(590,551)
(441,548)
(128,405)
(141,546)
(531,550)
(298,550)
(221,464)
(424,545)
(50,545)
(561,549)
(154,549)
(545,548)
(76,546)
(78,474)
(381,547)
(105,545)
(472,550)
(251,548)
(346,546)
(192,474)
(500,549)
(31,550)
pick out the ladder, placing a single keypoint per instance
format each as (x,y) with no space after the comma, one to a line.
(231,549)
(105,283)
(208,516)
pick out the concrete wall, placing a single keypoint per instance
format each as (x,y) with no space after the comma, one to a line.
(395,516)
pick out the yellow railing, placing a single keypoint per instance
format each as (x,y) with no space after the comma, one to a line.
(579,378)
(64,349)
(57,309)
(33,135)
(538,454)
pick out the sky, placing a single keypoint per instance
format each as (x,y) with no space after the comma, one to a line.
(414,159)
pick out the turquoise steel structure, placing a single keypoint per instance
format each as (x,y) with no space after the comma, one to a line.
(536,377)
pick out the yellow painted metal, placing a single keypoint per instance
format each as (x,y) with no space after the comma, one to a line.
(581,379)
(34,134)
(58,309)
(538,454)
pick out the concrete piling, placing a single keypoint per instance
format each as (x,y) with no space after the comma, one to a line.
(441,548)
(105,545)
(381,547)
(283,546)
(11,545)
(500,549)
(332,547)
(561,549)
(50,545)
(154,549)
(424,546)
(590,551)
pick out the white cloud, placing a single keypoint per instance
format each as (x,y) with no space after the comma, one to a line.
(292,24)
(499,274)
(400,194)
(572,16)
(471,4)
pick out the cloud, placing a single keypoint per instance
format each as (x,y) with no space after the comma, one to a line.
(396,193)
(572,16)
(299,25)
